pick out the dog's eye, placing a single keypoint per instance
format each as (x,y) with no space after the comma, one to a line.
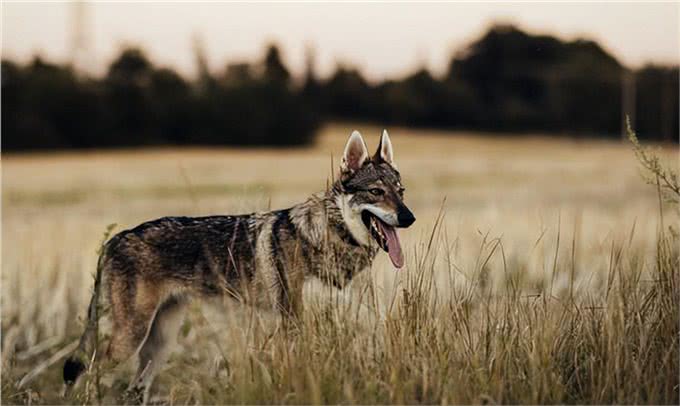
(377,191)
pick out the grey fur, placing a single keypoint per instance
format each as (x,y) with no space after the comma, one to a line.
(261,259)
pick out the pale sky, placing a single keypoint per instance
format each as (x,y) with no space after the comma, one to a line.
(382,39)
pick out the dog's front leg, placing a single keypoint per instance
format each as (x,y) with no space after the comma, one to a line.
(291,306)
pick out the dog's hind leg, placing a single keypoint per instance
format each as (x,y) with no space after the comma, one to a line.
(133,305)
(156,345)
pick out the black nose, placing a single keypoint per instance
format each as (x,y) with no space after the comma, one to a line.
(405,218)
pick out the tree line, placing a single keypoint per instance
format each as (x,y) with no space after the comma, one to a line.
(506,81)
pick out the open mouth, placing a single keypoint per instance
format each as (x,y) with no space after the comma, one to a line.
(386,237)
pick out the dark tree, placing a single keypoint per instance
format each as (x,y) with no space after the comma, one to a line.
(274,69)
(129,101)
(657,103)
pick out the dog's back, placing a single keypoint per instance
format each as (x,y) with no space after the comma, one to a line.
(204,254)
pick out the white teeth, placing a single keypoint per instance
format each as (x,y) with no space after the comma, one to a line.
(378,231)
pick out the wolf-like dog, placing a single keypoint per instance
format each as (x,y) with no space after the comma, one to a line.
(152,270)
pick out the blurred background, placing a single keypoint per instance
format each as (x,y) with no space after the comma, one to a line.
(98,75)
(507,119)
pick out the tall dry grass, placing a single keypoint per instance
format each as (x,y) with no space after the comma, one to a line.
(548,275)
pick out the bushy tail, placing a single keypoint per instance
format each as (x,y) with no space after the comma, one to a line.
(78,362)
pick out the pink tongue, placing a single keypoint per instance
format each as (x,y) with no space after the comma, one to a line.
(393,245)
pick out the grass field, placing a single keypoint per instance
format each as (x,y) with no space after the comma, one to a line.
(538,271)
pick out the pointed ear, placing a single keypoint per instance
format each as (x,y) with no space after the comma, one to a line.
(355,153)
(385,152)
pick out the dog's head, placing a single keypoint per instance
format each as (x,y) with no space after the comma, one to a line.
(372,196)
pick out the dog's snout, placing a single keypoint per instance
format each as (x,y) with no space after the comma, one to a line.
(406,218)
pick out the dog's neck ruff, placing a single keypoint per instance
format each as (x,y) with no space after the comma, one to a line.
(348,219)
(323,212)
(345,235)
